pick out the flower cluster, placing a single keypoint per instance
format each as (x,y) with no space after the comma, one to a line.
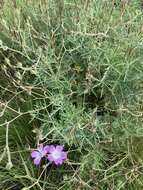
(54,154)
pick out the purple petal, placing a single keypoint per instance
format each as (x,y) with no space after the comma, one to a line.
(58,162)
(35,154)
(51,158)
(46,149)
(59,148)
(63,155)
(37,161)
(40,147)
(51,148)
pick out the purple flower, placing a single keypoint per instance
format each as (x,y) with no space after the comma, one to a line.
(39,153)
(57,155)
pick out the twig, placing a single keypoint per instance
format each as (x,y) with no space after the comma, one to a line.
(9,164)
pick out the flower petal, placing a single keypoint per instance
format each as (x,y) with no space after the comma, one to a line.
(58,162)
(35,154)
(63,155)
(51,158)
(40,147)
(46,149)
(51,148)
(37,161)
(59,148)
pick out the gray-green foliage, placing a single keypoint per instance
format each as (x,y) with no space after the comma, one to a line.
(72,73)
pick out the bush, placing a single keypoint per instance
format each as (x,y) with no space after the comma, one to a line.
(71,74)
